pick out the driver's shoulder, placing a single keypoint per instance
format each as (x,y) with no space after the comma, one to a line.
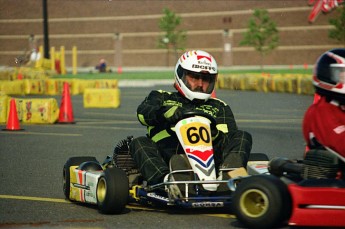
(217,101)
(163,92)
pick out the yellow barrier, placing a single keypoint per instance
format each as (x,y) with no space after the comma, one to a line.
(4,100)
(109,84)
(290,83)
(30,73)
(15,87)
(38,111)
(74,60)
(6,75)
(55,86)
(34,87)
(101,98)
(62,60)
(79,86)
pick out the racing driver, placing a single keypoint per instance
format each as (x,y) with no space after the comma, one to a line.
(324,121)
(195,78)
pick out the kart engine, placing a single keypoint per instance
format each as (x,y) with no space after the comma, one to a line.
(320,164)
(122,158)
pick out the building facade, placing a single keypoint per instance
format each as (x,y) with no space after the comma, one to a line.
(126,33)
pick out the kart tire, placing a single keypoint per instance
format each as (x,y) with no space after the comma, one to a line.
(112,191)
(262,201)
(72,161)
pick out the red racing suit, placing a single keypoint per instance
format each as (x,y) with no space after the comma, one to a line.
(324,124)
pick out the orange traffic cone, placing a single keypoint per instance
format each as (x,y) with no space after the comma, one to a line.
(20,76)
(13,121)
(66,110)
(119,70)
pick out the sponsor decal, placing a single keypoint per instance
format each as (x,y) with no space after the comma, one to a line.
(202,67)
(203,155)
(208,205)
(198,57)
(339,129)
(90,194)
(204,62)
(339,59)
(81,186)
(81,181)
(28,110)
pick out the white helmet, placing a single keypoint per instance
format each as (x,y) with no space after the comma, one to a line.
(201,64)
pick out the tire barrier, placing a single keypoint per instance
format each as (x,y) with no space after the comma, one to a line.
(287,83)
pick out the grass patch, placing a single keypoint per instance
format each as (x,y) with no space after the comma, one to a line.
(271,71)
(169,75)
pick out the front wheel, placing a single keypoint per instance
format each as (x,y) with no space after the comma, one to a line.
(262,201)
(112,191)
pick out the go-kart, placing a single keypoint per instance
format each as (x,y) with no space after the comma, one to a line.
(117,181)
(303,193)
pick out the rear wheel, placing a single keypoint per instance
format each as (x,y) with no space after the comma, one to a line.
(72,161)
(262,201)
(112,191)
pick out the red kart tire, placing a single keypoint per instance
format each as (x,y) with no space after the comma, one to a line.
(112,191)
(72,161)
(262,201)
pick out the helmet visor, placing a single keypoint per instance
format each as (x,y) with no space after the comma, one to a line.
(338,73)
(196,81)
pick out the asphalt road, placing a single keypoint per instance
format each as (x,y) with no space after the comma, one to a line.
(32,160)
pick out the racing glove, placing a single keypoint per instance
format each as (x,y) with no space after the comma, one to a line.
(214,132)
(174,114)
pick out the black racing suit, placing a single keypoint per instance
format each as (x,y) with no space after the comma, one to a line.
(153,152)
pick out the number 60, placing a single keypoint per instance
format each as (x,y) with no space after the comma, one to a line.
(194,135)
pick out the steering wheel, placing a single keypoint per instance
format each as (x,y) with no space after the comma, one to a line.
(202,114)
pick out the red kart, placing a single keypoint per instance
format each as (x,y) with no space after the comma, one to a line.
(310,192)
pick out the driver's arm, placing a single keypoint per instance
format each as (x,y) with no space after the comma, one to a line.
(149,111)
(225,119)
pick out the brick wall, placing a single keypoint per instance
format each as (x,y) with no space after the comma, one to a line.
(91,24)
